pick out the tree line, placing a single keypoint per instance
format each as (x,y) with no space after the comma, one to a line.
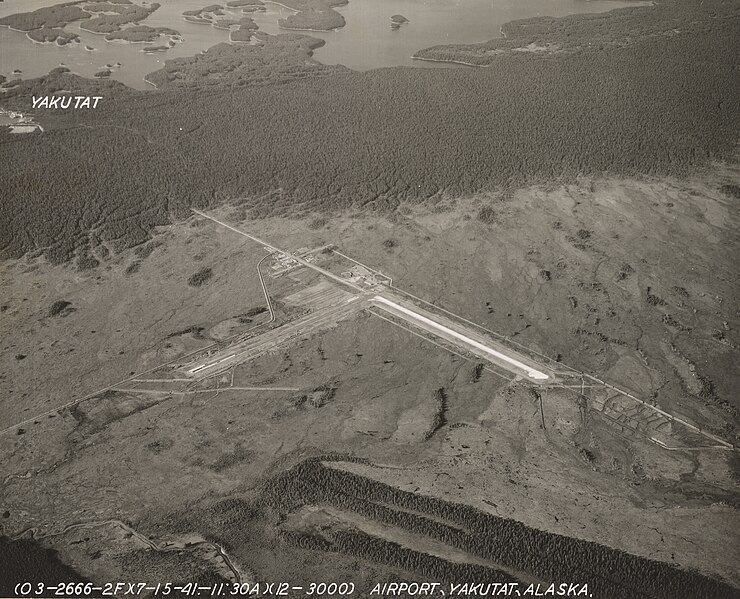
(509,543)
(284,136)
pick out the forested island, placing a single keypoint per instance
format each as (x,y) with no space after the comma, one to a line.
(397,21)
(274,59)
(111,16)
(312,15)
(152,49)
(299,5)
(142,33)
(46,25)
(248,6)
(646,103)
(313,20)
(244,3)
(226,23)
(206,15)
(49,35)
(51,17)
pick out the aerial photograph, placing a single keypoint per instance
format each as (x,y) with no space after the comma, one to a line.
(356,299)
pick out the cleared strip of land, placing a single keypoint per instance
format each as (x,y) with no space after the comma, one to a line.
(415,316)
(251,348)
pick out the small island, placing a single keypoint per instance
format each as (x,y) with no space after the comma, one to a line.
(111,16)
(153,49)
(205,15)
(313,20)
(50,35)
(226,23)
(397,21)
(142,34)
(51,17)
(245,3)
(47,25)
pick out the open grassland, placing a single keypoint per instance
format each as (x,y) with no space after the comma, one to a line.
(86,330)
(631,280)
(242,476)
(433,423)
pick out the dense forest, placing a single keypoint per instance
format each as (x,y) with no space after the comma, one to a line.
(359,544)
(246,30)
(511,544)
(49,34)
(110,17)
(276,59)
(51,17)
(314,20)
(141,33)
(261,127)
(244,3)
(587,33)
(98,17)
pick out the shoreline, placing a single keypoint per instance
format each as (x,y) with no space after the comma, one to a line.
(80,26)
(312,30)
(460,62)
(165,546)
(154,85)
(54,43)
(295,10)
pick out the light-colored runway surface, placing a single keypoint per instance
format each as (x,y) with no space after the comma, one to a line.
(432,323)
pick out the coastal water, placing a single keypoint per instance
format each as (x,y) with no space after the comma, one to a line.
(25,560)
(366,42)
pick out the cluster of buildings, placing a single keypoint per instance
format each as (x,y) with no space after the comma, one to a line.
(18,122)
